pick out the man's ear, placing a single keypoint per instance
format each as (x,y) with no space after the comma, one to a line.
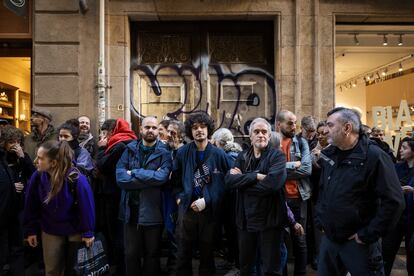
(347,128)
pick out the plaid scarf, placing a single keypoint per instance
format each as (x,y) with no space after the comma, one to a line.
(201,178)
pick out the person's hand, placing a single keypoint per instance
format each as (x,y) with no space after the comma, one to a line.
(299,231)
(32,240)
(407,189)
(103,142)
(129,173)
(19,187)
(316,152)
(297,164)
(260,176)
(198,205)
(178,201)
(88,241)
(355,237)
(235,171)
(18,150)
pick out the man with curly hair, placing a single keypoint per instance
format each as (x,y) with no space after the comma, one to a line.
(199,169)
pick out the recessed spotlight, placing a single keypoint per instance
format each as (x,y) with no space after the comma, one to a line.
(385,40)
(356,41)
(400,41)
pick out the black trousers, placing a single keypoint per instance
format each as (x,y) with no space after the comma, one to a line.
(16,246)
(4,248)
(391,243)
(268,244)
(195,227)
(228,220)
(299,210)
(142,242)
(107,211)
(350,256)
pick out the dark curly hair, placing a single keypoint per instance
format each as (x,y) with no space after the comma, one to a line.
(199,117)
(73,126)
(11,133)
(409,141)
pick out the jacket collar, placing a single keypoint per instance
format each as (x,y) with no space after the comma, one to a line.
(160,147)
(358,152)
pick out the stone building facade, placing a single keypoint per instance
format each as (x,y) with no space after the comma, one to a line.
(296,74)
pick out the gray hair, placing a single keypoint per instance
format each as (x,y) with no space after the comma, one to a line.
(180,127)
(347,115)
(223,135)
(260,120)
(226,139)
(308,122)
(275,139)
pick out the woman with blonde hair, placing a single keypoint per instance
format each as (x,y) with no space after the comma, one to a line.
(59,208)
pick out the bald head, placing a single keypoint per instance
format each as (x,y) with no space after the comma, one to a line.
(149,118)
(149,130)
(286,123)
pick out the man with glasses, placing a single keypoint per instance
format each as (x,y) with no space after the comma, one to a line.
(308,131)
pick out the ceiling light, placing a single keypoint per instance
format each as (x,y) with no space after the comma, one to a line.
(354,84)
(368,78)
(400,41)
(400,68)
(384,73)
(356,41)
(385,40)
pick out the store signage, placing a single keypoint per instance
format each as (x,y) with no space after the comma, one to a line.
(394,130)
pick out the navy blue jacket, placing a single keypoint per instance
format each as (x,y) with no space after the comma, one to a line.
(184,167)
(408,215)
(147,179)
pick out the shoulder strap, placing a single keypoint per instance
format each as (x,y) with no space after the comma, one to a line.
(72,188)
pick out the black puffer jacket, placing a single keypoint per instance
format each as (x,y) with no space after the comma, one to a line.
(360,194)
(7,191)
(260,205)
(106,164)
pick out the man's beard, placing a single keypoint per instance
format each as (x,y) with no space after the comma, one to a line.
(287,134)
(149,139)
(84,131)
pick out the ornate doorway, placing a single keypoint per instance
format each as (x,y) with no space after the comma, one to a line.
(224,68)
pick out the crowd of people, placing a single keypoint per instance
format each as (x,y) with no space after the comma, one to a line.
(331,194)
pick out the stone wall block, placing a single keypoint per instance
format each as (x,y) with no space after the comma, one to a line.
(56,58)
(56,90)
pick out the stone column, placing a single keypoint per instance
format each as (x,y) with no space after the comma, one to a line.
(64,59)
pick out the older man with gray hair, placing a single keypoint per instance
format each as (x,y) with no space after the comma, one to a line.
(360,198)
(258,176)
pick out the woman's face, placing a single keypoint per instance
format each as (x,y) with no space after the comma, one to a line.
(321,136)
(9,145)
(65,134)
(406,152)
(43,162)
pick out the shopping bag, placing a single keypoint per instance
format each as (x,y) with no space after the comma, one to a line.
(92,261)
